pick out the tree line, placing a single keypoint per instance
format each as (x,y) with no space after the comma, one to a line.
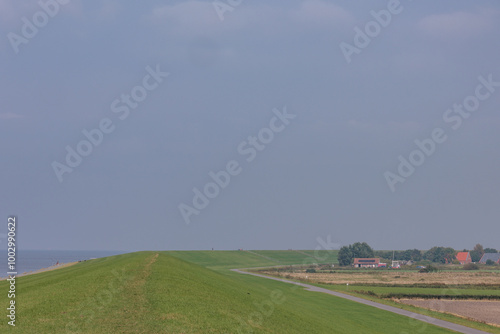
(406,255)
(436,254)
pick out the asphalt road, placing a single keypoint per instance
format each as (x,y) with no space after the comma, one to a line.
(421,317)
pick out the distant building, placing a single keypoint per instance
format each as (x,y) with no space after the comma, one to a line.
(399,263)
(463,257)
(366,262)
(495,257)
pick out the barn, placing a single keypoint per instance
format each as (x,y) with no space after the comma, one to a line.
(366,262)
(495,257)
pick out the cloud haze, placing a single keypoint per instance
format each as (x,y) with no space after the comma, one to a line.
(322,175)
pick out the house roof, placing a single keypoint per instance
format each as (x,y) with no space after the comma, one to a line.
(462,256)
(495,257)
(366,261)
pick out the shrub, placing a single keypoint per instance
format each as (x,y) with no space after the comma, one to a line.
(429,269)
(310,270)
(471,266)
(369,292)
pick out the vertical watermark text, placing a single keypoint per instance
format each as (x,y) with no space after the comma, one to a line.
(11,269)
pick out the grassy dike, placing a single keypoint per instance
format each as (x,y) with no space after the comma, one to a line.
(159,292)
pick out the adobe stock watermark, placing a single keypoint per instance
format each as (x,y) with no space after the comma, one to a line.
(222,6)
(325,245)
(30,28)
(373,28)
(454,118)
(249,149)
(12,269)
(328,248)
(122,107)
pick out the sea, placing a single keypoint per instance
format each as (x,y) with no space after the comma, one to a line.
(33,260)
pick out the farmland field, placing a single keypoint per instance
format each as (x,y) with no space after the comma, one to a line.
(486,311)
(394,277)
(451,291)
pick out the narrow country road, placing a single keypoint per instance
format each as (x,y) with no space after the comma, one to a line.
(421,317)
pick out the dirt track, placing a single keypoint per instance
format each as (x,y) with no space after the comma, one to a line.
(487,311)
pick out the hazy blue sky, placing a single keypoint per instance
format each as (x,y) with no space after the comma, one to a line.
(322,173)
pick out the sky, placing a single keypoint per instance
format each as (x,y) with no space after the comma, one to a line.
(298,124)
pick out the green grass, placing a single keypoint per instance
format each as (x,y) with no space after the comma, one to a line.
(381,290)
(300,257)
(223,259)
(257,258)
(330,256)
(154,292)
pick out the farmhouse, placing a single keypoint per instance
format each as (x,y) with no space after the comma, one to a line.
(463,257)
(366,262)
(495,257)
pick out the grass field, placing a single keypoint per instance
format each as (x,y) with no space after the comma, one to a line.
(258,258)
(186,292)
(382,290)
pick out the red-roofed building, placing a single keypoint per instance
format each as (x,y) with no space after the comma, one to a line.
(464,257)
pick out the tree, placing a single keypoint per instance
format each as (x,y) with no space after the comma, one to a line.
(407,255)
(357,250)
(475,256)
(478,252)
(449,254)
(440,254)
(362,250)
(345,256)
(384,254)
(416,255)
(433,254)
(479,248)
(490,262)
(411,254)
(490,250)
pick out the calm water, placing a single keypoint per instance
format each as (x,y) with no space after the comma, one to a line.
(30,260)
